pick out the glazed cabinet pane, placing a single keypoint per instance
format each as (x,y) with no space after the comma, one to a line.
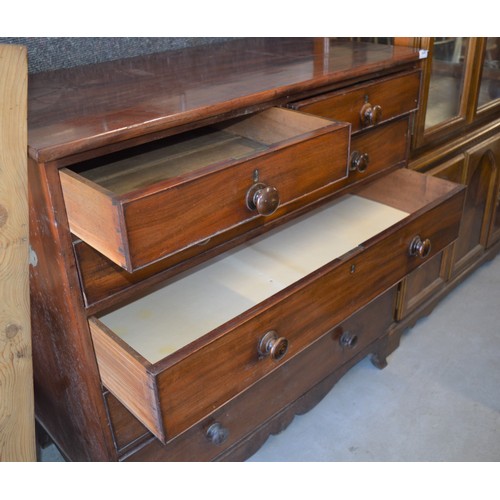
(489,90)
(447,81)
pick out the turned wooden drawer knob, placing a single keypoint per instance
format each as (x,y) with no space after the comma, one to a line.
(348,339)
(272,346)
(264,199)
(359,161)
(370,115)
(217,433)
(419,247)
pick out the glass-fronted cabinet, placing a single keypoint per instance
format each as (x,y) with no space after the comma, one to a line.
(457,130)
(461,86)
(448,75)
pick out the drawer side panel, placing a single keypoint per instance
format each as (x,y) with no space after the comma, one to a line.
(126,377)
(94,217)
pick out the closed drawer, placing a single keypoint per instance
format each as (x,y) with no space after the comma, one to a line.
(379,149)
(174,356)
(252,408)
(367,104)
(148,204)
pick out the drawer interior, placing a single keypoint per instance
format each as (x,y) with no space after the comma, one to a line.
(209,296)
(204,298)
(185,154)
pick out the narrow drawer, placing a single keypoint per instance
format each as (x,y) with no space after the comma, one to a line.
(148,204)
(367,104)
(379,149)
(174,356)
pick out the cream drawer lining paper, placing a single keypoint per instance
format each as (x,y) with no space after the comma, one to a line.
(212,294)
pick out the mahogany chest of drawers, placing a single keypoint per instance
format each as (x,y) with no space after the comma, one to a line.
(217,236)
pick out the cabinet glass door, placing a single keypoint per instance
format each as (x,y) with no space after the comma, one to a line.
(489,88)
(447,81)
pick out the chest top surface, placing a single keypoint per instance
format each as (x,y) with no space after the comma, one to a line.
(79,109)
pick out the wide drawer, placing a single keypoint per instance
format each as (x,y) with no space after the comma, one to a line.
(139,207)
(367,104)
(174,356)
(251,409)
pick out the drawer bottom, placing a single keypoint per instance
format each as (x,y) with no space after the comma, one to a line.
(237,429)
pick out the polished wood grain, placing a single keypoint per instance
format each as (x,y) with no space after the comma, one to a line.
(17,415)
(395,96)
(248,421)
(386,146)
(79,109)
(299,155)
(429,278)
(80,118)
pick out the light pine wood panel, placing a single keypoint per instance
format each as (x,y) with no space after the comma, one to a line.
(17,431)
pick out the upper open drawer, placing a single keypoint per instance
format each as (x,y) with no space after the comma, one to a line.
(153,201)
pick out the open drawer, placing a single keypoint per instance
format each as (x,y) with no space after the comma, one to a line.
(175,355)
(155,200)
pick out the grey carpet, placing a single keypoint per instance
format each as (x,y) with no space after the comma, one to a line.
(437,400)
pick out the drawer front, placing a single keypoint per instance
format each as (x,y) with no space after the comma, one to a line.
(182,389)
(140,226)
(249,410)
(178,218)
(368,104)
(379,149)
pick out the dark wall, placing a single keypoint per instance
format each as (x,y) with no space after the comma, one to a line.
(63,52)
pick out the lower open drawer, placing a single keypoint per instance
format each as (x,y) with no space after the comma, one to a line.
(180,352)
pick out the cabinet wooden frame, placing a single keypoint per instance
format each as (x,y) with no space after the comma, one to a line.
(481,173)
